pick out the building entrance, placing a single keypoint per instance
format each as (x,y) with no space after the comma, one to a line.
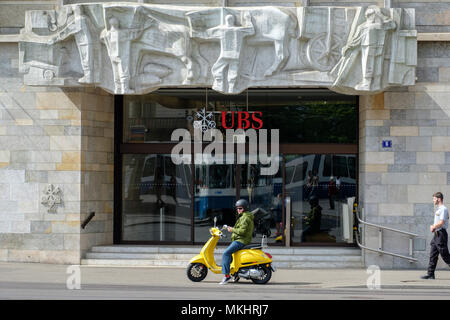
(160,202)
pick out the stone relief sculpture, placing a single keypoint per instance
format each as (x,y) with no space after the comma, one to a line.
(324,31)
(51,198)
(274,28)
(231,38)
(367,44)
(134,48)
(118,44)
(83,31)
(168,37)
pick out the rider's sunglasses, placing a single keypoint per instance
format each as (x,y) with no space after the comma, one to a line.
(239,208)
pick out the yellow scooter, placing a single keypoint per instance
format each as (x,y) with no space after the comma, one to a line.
(250,262)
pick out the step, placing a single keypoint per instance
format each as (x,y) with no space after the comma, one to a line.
(197,249)
(135,263)
(179,256)
(184,264)
(187,257)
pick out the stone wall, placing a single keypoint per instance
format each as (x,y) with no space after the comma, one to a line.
(59,137)
(396,184)
(97,168)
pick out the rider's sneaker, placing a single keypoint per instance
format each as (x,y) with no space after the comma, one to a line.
(225,280)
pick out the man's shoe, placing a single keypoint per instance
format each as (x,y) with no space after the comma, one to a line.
(427,276)
(225,280)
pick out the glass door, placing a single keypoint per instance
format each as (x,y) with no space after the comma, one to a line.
(264,194)
(318,184)
(156,199)
(215,196)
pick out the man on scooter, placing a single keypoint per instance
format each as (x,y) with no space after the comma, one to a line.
(240,237)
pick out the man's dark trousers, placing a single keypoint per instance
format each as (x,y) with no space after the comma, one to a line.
(438,246)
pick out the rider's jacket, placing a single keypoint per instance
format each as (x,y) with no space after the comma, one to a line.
(243,229)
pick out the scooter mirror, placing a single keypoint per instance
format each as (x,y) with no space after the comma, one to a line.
(215,220)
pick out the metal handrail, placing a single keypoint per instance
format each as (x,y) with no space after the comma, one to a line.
(87,220)
(380,240)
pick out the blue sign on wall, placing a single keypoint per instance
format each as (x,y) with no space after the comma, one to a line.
(387,143)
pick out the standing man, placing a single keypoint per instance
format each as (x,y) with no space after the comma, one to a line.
(367,44)
(81,27)
(231,39)
(117,40)
(241,236)
(118,43)
(439,242)
(332,192)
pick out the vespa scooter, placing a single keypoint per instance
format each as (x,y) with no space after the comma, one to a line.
(250,262)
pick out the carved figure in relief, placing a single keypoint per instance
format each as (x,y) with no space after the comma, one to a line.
(369,41)
(118,43)
(168,37)
(83,30)
(231,40)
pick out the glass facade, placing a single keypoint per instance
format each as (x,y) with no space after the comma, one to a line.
(324,117)
(163,202)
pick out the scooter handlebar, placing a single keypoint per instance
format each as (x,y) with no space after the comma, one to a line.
(223,235)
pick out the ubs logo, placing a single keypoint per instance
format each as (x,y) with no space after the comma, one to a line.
(230,120)
(204,120)
(244,120)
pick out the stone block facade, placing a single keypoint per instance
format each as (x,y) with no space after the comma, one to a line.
(396,184)
(59,137)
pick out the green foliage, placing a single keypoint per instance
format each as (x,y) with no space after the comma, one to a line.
(313,122)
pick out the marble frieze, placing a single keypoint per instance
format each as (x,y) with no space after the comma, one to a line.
(128,48)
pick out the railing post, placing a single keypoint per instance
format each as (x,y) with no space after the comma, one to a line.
(380,239)
(288,221)
(363,228)
(161,224)
(411,247)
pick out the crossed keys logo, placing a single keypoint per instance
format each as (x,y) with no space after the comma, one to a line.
(52,197)
(205,120)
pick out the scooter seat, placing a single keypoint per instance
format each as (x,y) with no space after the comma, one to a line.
(252,246)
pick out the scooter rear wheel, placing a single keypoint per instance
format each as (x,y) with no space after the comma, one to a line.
(267,274)
(196,272)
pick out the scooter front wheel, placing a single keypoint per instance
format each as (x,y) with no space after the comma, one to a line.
(196,272)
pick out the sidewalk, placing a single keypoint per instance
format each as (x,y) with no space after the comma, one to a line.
(161,276)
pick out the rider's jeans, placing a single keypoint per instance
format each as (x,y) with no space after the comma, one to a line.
(227,255)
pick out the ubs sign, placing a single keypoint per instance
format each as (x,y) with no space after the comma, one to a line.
(238,127)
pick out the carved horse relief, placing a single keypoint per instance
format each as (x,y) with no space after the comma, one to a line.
(168,36)
(273,26)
